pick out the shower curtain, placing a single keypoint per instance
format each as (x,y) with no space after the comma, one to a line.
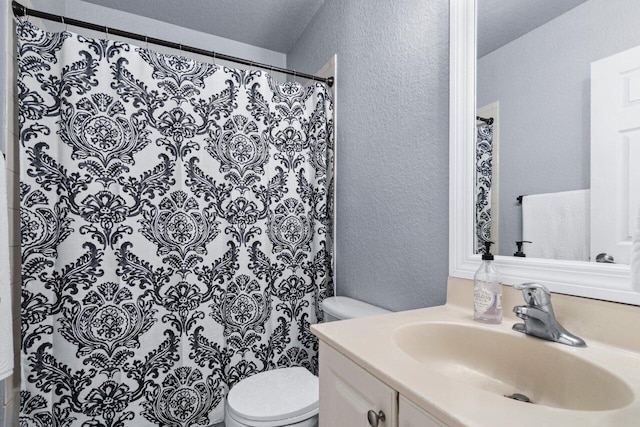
(176,221)
(484,171)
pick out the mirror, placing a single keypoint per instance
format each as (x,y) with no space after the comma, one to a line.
(543,69)
(610,282)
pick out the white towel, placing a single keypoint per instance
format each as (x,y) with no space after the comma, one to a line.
(6,320)
(557,224)
(635,256)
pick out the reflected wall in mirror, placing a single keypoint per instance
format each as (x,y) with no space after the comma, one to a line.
(550,74)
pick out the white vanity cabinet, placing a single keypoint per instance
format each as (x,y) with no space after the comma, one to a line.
(348,394)
(411,415)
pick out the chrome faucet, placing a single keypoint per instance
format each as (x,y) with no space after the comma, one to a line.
(538,316)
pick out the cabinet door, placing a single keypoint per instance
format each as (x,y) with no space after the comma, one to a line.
(348,393)
(410,415)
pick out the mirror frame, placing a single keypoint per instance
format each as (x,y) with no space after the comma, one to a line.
(608,282)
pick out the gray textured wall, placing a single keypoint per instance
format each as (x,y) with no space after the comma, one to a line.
(392,144)
(1,402)
(542,81)
(152,28)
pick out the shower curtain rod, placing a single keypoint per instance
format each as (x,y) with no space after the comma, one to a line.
(488,121)
(20,10)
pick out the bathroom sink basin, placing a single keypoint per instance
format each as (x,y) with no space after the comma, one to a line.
(505,363)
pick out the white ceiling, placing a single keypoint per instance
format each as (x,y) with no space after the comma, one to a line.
(502,21)
(271,24)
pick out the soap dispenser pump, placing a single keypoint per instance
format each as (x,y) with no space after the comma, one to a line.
(519,244)
(487,290)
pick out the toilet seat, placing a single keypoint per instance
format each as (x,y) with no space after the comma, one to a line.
(271,397)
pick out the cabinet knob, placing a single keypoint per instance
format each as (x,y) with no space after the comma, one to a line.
(374,418)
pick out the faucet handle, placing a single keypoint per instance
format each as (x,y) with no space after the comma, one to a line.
(534,294)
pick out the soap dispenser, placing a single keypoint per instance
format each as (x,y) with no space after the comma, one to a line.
(487,290)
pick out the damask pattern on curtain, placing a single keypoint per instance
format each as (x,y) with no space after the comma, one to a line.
(176,221)
(484,171)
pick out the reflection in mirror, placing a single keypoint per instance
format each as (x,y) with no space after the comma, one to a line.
(554,70)
(486,178)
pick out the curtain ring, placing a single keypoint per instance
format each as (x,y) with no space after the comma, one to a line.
(146,40)
(294,75)
(106,32)
(214,56)
(180,44)
(66,27)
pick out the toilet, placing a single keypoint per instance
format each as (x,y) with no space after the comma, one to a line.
(287,396)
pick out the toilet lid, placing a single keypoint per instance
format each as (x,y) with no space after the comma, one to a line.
(275,395)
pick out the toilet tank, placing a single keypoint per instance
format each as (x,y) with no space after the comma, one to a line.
(343,308)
